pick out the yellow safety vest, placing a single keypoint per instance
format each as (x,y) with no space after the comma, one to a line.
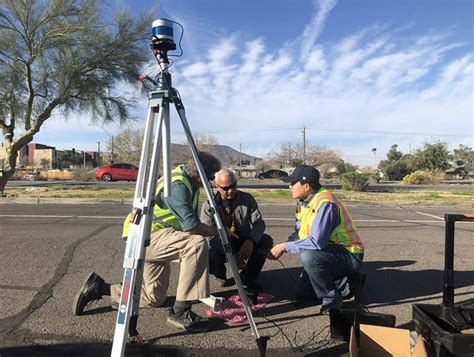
(346,233)
(163,217)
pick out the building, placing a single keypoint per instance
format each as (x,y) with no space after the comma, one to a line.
(21,159)
(42,156)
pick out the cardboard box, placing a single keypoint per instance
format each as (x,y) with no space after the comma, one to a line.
(378,341)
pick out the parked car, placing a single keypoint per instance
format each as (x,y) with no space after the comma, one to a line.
(272,174)
(33,176)
(118,171)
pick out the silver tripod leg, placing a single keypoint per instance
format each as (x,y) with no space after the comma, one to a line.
(261,342)
(139,233)
(140,227)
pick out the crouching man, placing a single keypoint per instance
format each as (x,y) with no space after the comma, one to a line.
(240,214)
(177,234)
(327,241)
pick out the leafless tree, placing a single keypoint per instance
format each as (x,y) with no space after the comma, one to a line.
(291,155)
(202,140)
(127,145)
(324,159)
(288,154)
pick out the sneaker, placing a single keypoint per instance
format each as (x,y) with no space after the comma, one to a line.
(188,321)
(333,305)
(90,291)
(356,283)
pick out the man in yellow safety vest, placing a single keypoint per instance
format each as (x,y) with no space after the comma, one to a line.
(176,234)
(327,241)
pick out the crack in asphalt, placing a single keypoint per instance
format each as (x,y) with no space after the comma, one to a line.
(9,324)
(17,287)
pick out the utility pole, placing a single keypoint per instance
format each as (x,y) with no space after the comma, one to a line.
(112,150)
(98,153)
(111,143)
(84,154)
(304,144)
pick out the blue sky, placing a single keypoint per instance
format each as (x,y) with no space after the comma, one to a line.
(356,74)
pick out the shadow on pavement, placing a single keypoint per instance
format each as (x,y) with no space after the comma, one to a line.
(385,283)
(102,349)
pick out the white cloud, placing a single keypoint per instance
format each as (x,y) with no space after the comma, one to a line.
(352,94)
(375,80)
(315,26)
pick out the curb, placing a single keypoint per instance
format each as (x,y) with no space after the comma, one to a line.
(72,201)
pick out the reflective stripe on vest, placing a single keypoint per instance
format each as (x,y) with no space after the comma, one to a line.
(346,233)
(163,217)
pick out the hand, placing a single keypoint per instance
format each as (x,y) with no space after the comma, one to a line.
(240,262)
(276,252)
(246,250)
(231,234)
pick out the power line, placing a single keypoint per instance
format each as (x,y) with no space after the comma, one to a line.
(390,132)
(337,130)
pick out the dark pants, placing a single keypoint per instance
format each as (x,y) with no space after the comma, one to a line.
(322,269)
(250,272)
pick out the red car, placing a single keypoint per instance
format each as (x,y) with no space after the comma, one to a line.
(118,171)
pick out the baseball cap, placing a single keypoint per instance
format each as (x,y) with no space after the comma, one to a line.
(304,173)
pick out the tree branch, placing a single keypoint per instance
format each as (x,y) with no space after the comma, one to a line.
(28,134)
(31,97)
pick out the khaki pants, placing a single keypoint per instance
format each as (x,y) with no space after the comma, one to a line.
(167,245)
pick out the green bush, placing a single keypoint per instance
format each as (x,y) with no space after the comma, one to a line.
(353,181)
(417,178)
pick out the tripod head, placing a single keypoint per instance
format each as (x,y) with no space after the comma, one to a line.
(162,38)
(162,42)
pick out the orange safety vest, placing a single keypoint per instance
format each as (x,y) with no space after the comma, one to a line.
(346,233)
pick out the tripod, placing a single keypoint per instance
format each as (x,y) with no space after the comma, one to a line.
(156,136)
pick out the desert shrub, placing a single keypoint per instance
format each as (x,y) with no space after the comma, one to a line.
(84,174)
(437,176)
(417,178)
(353,181)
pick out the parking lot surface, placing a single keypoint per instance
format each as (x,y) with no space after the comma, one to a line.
(48,250)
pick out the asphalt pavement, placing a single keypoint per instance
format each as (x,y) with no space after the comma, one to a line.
(48,250)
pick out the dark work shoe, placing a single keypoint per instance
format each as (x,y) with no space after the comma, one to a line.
(334,305)
(90,291)
(302,302)
(252,296)
(356,283)
(252,285)
(188,321)
(224,282)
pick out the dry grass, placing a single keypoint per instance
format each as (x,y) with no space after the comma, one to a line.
(59,191)
(460,196)
(275,195)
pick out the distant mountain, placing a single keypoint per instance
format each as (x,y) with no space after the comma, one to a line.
(227,155)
